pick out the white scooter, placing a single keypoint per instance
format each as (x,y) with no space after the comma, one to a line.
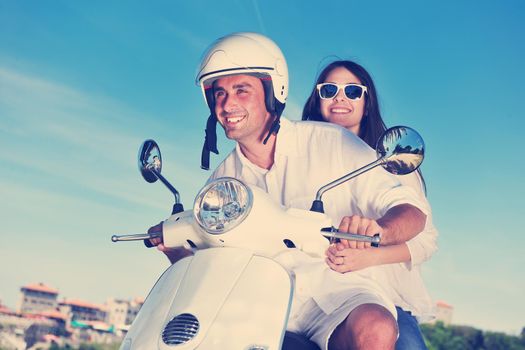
(233,293)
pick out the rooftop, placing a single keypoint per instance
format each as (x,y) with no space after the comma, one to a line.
(53,314)
(40,287)
(81,303)
(441,303)
(6,311)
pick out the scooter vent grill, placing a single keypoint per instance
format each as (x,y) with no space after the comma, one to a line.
(180,329)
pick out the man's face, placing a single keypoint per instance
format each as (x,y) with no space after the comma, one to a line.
(240,107)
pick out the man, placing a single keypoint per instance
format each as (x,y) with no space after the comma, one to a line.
(245,82)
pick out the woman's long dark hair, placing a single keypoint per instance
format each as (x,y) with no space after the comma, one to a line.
(372,125)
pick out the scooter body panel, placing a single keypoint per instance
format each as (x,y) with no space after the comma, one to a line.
(240,300)
(144,331)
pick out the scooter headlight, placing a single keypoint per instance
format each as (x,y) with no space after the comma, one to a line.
(222,205)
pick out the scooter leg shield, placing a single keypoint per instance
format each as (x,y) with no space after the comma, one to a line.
(221,298)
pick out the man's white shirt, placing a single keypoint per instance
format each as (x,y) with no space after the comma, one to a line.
(309,155)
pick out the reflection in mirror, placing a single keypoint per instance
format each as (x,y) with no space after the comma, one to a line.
(150,160)
(402,150)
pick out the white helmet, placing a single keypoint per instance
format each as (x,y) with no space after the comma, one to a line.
(243,53)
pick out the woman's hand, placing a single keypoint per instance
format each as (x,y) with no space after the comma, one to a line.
(342,258)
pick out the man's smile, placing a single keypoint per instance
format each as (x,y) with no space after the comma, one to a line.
(234,120)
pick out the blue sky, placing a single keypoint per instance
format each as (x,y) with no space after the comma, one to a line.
(82,84)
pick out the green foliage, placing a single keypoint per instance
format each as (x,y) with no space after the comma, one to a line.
(56,347)
(34,333)
(502,341)
(441,337)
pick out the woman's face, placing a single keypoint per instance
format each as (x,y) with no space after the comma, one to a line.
(339,109)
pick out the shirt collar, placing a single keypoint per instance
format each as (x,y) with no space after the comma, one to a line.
(245,162)
(285,145)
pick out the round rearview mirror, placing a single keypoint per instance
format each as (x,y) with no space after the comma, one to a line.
(150,161)
(402,150)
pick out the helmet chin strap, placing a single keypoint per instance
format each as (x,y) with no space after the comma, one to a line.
(210,142)
(274,129)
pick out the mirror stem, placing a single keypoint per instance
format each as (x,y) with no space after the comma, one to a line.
(167,184)
(345,178)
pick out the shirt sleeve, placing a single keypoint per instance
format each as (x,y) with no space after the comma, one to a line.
(423,245)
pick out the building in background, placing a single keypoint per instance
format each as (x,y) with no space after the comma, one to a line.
(41,320)
(121,312)
(36,298)
(79,310)
(444,312)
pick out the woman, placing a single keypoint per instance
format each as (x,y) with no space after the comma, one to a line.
(345,94)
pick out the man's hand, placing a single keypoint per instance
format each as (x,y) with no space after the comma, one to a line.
(156,228)
(173,254)
(341,258)
(359,225)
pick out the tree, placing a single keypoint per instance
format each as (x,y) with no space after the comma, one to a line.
(502,341)
(32,335)
(473,337)
(441,337)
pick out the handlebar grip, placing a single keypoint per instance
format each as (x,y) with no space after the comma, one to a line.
(377,240)
(147,241)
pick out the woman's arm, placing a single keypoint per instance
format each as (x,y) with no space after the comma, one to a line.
(341,258)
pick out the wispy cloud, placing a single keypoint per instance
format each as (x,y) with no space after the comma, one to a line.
(188,37)
(58,131)
(39,100)
(259,16)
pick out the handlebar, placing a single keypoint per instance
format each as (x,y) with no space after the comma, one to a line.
(332,232)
